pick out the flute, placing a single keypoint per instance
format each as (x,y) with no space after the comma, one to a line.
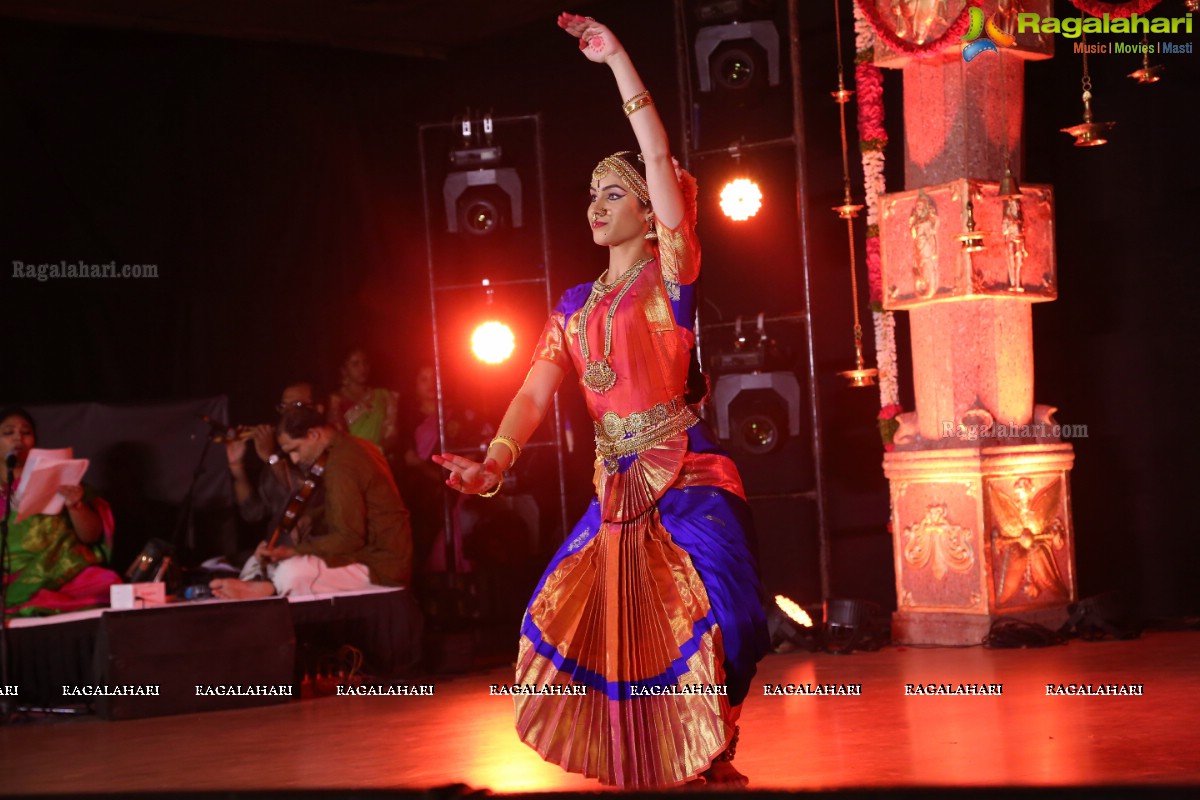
(220,433)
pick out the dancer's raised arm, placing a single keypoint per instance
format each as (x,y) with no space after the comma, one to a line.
(600,45)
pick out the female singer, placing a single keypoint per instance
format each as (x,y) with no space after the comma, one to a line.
(54,560)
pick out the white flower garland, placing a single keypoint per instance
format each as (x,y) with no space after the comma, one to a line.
(875,185)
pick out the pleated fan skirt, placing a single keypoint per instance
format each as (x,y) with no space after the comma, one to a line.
(660,618)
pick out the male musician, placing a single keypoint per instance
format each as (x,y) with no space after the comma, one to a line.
(265,499)
(357,533)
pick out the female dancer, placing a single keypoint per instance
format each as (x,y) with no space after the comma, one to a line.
(653,602)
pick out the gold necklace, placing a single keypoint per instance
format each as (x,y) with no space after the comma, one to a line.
(598,375)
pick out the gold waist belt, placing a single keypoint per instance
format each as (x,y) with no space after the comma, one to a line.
(618,436)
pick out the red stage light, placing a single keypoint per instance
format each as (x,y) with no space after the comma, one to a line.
(493,342)
(741,199)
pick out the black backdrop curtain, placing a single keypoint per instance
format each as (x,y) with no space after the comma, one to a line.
(142,459)
(255,179)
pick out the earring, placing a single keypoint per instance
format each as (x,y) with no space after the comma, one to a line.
(652,234)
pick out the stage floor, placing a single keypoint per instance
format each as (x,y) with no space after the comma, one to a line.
(882,738)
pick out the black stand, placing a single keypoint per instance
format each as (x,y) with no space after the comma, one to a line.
(186,521)
(5,706)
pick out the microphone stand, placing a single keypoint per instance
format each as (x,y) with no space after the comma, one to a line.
(5,706)
(185,522)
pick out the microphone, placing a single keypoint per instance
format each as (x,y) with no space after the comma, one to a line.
(10,462)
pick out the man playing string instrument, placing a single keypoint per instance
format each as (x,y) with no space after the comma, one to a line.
(353,528)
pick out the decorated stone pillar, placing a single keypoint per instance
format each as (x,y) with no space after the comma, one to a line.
(979,477)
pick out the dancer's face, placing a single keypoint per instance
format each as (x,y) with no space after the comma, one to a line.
(614,213)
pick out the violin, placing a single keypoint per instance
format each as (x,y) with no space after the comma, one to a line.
(295,506)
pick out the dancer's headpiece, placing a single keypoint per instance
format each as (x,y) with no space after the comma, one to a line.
(625,170)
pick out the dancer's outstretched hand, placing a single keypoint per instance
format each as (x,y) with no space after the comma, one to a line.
(467,476)
(595,40)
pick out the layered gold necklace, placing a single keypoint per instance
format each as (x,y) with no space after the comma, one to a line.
(599,375)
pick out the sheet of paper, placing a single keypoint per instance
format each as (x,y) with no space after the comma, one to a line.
(44,472)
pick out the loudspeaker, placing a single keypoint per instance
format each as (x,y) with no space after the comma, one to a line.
(205,657)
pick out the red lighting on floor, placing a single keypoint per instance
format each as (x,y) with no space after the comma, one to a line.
(493,342)
(741,199)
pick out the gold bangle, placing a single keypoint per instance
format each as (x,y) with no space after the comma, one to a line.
(636,97)
(510,443)
(637,103)
(493,492)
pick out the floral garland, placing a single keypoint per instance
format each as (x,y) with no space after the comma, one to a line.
(872,139)
(1114,10)
(865,9)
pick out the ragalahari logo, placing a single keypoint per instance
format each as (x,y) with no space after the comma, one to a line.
(994,37)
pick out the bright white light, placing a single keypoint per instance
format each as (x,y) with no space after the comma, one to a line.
(493,342)
(793,610)
(741,199)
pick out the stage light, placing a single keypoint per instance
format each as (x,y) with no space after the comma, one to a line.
(757,404)
(480,197)
(851,625)
(493,342)
(790,627)
(741,199)
(732,56)
(846,625)
(734,66)
(479,214)
(759,431)
(793,610)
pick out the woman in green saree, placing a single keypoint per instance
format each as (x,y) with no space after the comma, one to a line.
(360,410)
(54,561)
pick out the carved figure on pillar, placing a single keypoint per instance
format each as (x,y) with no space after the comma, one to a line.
(1006,15)
(1012,228)
(919,21)
(1027,531)
(923,224)
(939,540)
